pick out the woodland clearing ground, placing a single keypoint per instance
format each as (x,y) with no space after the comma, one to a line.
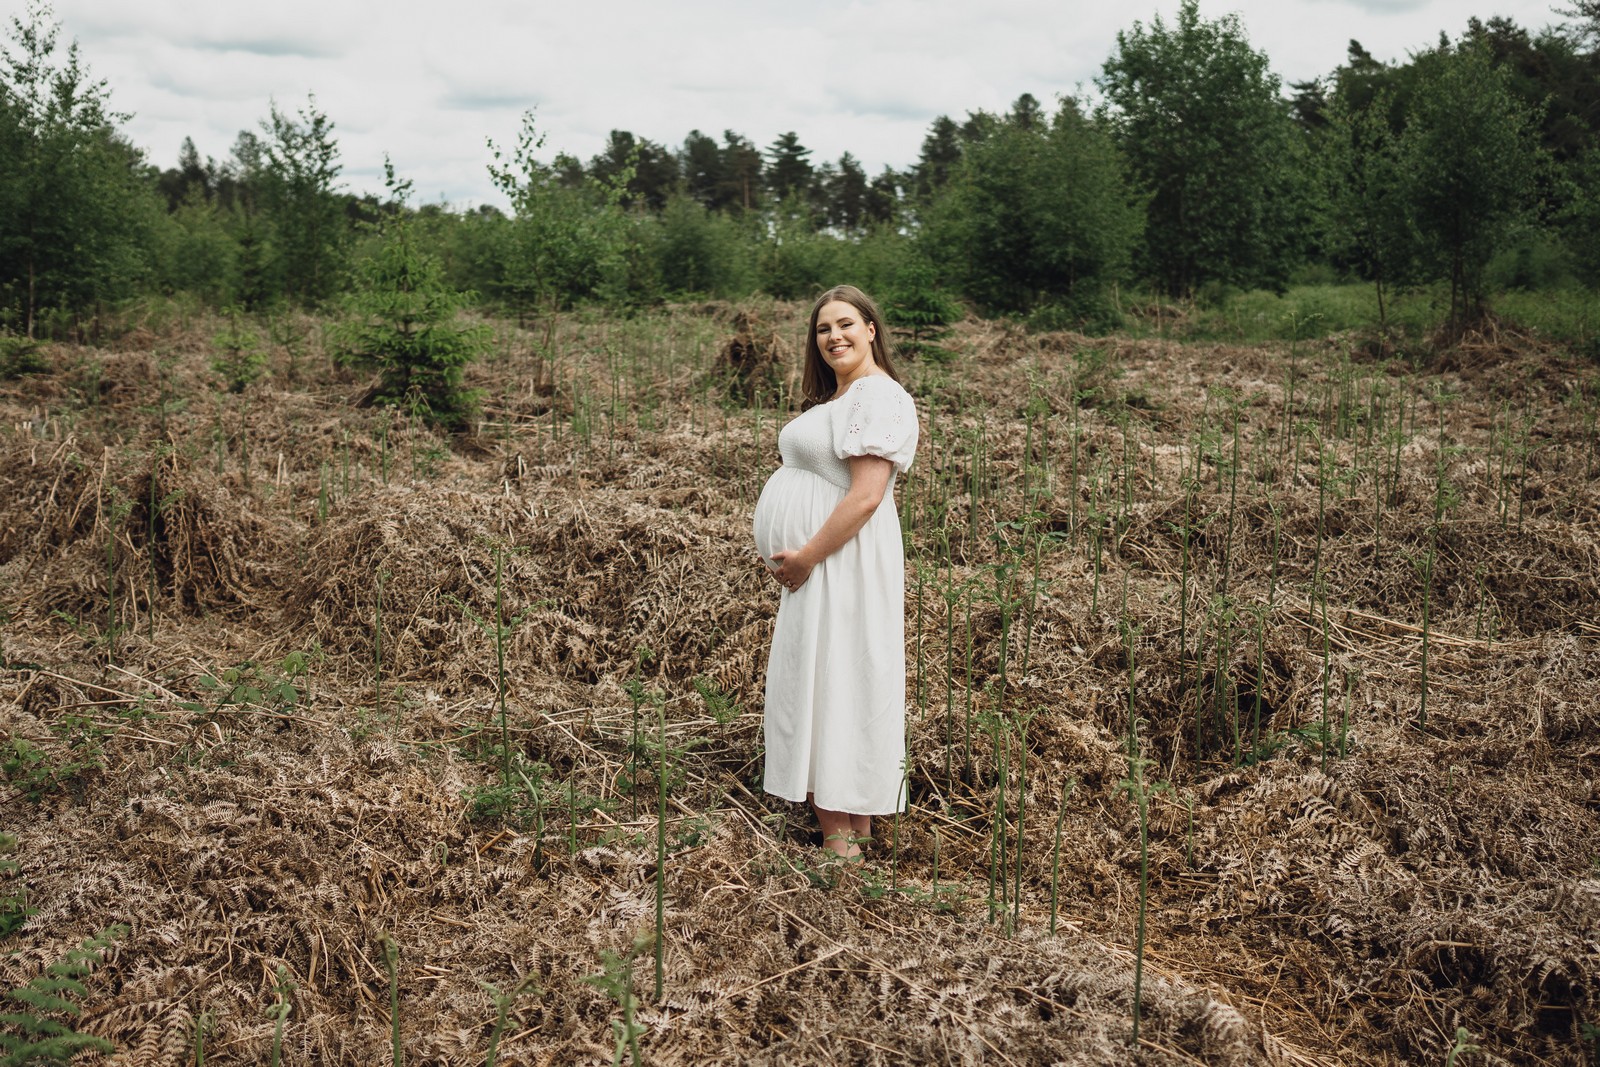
(1427,879)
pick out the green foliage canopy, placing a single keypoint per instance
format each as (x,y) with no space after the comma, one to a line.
(75,210)
(298,169)
(1036,214)
(1198,115)
(1368,224)
(1470,167)
(562,244)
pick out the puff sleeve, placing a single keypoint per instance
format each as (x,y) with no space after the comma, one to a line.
(876,417)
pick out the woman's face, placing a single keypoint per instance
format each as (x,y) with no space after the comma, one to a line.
(845,339)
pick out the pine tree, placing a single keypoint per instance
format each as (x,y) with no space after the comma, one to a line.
(847,194)
(788,167)
(941,151)
(701,164)
(920,312)
(404,323)
(741,173)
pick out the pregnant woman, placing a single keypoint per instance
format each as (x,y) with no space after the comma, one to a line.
(828,532)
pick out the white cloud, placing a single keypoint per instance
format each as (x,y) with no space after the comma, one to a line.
(1383,7)
(427,82)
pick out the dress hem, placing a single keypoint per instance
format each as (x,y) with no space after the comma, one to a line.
(802,800)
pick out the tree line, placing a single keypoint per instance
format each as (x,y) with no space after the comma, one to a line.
(1473,164)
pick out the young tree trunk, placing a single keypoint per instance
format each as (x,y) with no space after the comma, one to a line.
(1457,324)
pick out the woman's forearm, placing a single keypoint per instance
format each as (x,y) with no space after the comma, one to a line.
(869,481)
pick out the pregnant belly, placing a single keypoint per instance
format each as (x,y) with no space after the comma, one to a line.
(793,505)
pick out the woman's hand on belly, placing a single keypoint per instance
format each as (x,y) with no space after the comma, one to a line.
(792,569)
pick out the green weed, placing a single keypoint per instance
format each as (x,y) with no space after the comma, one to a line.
(14,907)
(20,356)
(616,981)
(278,688)
(278,1012)
(40,1031)
(35,775)
(502,1012)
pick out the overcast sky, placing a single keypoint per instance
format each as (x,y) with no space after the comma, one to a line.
(427,82)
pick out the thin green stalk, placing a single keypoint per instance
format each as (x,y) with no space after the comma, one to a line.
(900,803)
(1324,471)
(383,449)
(153,507)
(1073,495)
(1522,477)
(966,754)
(1094,592)
(1226,693)
(1261,670)
(1199,689)
(1139,791)
(279,1013)
(1055,854)
(1027,447)
(1427,604)
(1183,575)
(1188,835)
(1327,650)
(202,1028)
(1233,493)
(572,817)
(1377,511)
(951,596)
(1130,636)
(997,864)
(635,690)
(661,848)
(118,511)
(1033,596)
(1020,847)
(1277,530)
(377,650)
(391,963)
(500,630)
(922,690)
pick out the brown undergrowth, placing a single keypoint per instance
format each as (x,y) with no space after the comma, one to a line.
(249,642)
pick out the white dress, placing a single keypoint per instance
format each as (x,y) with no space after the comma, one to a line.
(836,678)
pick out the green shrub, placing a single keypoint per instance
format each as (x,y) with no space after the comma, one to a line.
(796,262)
(700,252)
(19,356)
(404,324)
(240,359)
(920,312)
